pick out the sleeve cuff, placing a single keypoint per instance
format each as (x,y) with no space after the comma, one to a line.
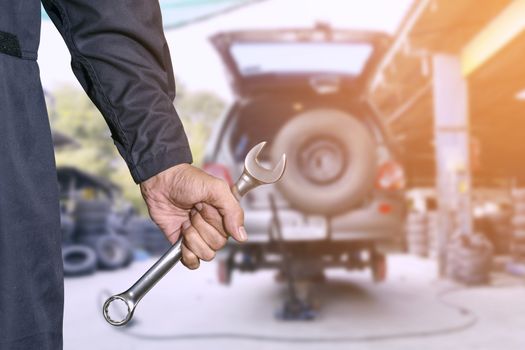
(160,162)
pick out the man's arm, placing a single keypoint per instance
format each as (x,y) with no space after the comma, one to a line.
(121,59)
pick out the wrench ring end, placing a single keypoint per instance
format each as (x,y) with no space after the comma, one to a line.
(123,321)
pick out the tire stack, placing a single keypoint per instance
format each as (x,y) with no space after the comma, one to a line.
(469,259)
(417,234)
(517,246)
(95,243)
(145,234)
(500,232)
(91,220)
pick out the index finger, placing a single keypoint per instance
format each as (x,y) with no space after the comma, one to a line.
(223,200)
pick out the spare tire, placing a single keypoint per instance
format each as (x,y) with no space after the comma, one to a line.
(113,252)
(331,161)
(78,260)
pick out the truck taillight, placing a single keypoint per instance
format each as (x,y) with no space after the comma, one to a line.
(218,170)
(391,176)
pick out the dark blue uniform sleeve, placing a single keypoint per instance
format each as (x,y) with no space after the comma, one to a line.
(121,59)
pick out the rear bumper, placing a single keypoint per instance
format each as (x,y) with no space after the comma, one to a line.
(356,240)
(383,219)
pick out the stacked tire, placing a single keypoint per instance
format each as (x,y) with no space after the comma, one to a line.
(113,252)
(145,234)
(469,259)
(517,247)
(91,220)
(417,234)
(498,229)
(95,244)
(78,260)
(107,252)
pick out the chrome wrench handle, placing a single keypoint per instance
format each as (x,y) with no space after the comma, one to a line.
(245,184)
(253,175)
(133,295)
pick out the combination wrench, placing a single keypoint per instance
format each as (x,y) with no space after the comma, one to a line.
(253,175)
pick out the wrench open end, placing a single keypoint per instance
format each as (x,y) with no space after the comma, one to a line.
(260,173)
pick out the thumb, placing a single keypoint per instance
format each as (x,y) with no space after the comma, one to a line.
(232,214)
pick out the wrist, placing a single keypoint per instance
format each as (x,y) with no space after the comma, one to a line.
(160,184)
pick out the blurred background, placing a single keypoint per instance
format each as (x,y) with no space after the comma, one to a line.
(400,222)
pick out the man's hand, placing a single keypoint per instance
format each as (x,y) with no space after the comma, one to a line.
(188,200)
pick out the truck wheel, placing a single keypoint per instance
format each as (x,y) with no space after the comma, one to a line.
(225,270)
(379,268)
(331,161)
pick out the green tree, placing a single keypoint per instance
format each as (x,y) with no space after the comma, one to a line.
(72,113)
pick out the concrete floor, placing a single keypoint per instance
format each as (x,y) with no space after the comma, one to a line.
(402,312)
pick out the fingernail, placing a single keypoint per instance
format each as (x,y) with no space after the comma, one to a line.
(186,224)
(242,234)
(193,211)
(198,206)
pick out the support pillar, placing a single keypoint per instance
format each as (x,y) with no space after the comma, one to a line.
(452,151)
